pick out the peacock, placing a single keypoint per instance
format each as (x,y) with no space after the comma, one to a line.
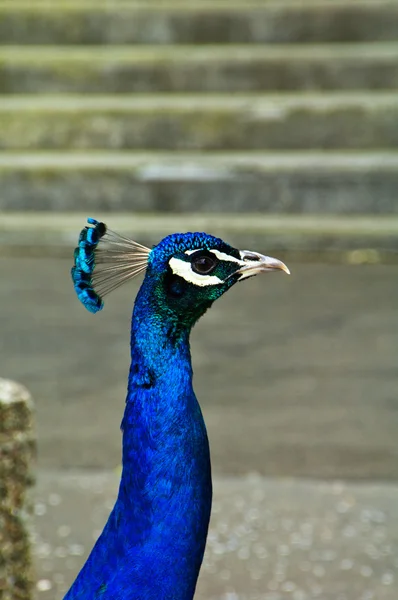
(153,543)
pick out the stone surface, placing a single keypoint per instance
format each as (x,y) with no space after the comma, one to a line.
(302,182)
(331,68)
(296,375)
(213,68)
(17,447)
(200,22)
(196,122)
(269,539)
(347,238)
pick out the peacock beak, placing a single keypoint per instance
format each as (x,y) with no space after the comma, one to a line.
(258,263)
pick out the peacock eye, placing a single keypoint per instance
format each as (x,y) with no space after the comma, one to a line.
(203,265)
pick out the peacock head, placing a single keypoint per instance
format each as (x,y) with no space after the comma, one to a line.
(185,272)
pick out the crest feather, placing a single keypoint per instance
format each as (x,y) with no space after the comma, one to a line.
(104,260)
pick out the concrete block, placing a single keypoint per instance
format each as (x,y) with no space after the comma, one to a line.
(17,449)
(302,182)
(198,68)
(197,22)
(196,122)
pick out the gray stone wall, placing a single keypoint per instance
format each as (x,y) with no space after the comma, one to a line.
(17,450)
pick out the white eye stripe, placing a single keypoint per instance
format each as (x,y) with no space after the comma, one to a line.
(183,269)
(220,255)
(227,257)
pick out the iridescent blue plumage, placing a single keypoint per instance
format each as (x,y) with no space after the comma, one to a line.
(84,266)
(103,261)
(153,543)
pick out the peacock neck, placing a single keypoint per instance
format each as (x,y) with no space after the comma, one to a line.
(165,491)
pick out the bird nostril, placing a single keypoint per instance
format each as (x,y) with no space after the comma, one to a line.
(251,257)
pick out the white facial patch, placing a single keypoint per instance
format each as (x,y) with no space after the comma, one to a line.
(220,256)
(184,269)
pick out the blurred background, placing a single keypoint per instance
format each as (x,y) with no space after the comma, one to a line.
(274,124)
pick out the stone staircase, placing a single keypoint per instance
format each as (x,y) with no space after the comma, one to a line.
(282,108)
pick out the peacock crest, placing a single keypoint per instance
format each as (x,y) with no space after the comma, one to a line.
(104,260)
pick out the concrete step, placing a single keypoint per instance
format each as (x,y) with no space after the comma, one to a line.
(350,238)
(210,122)
(226,68)
(304,182)
(197,22)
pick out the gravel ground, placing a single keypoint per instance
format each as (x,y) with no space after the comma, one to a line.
(270,539)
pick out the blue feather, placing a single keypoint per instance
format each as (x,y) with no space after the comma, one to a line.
(84,266)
